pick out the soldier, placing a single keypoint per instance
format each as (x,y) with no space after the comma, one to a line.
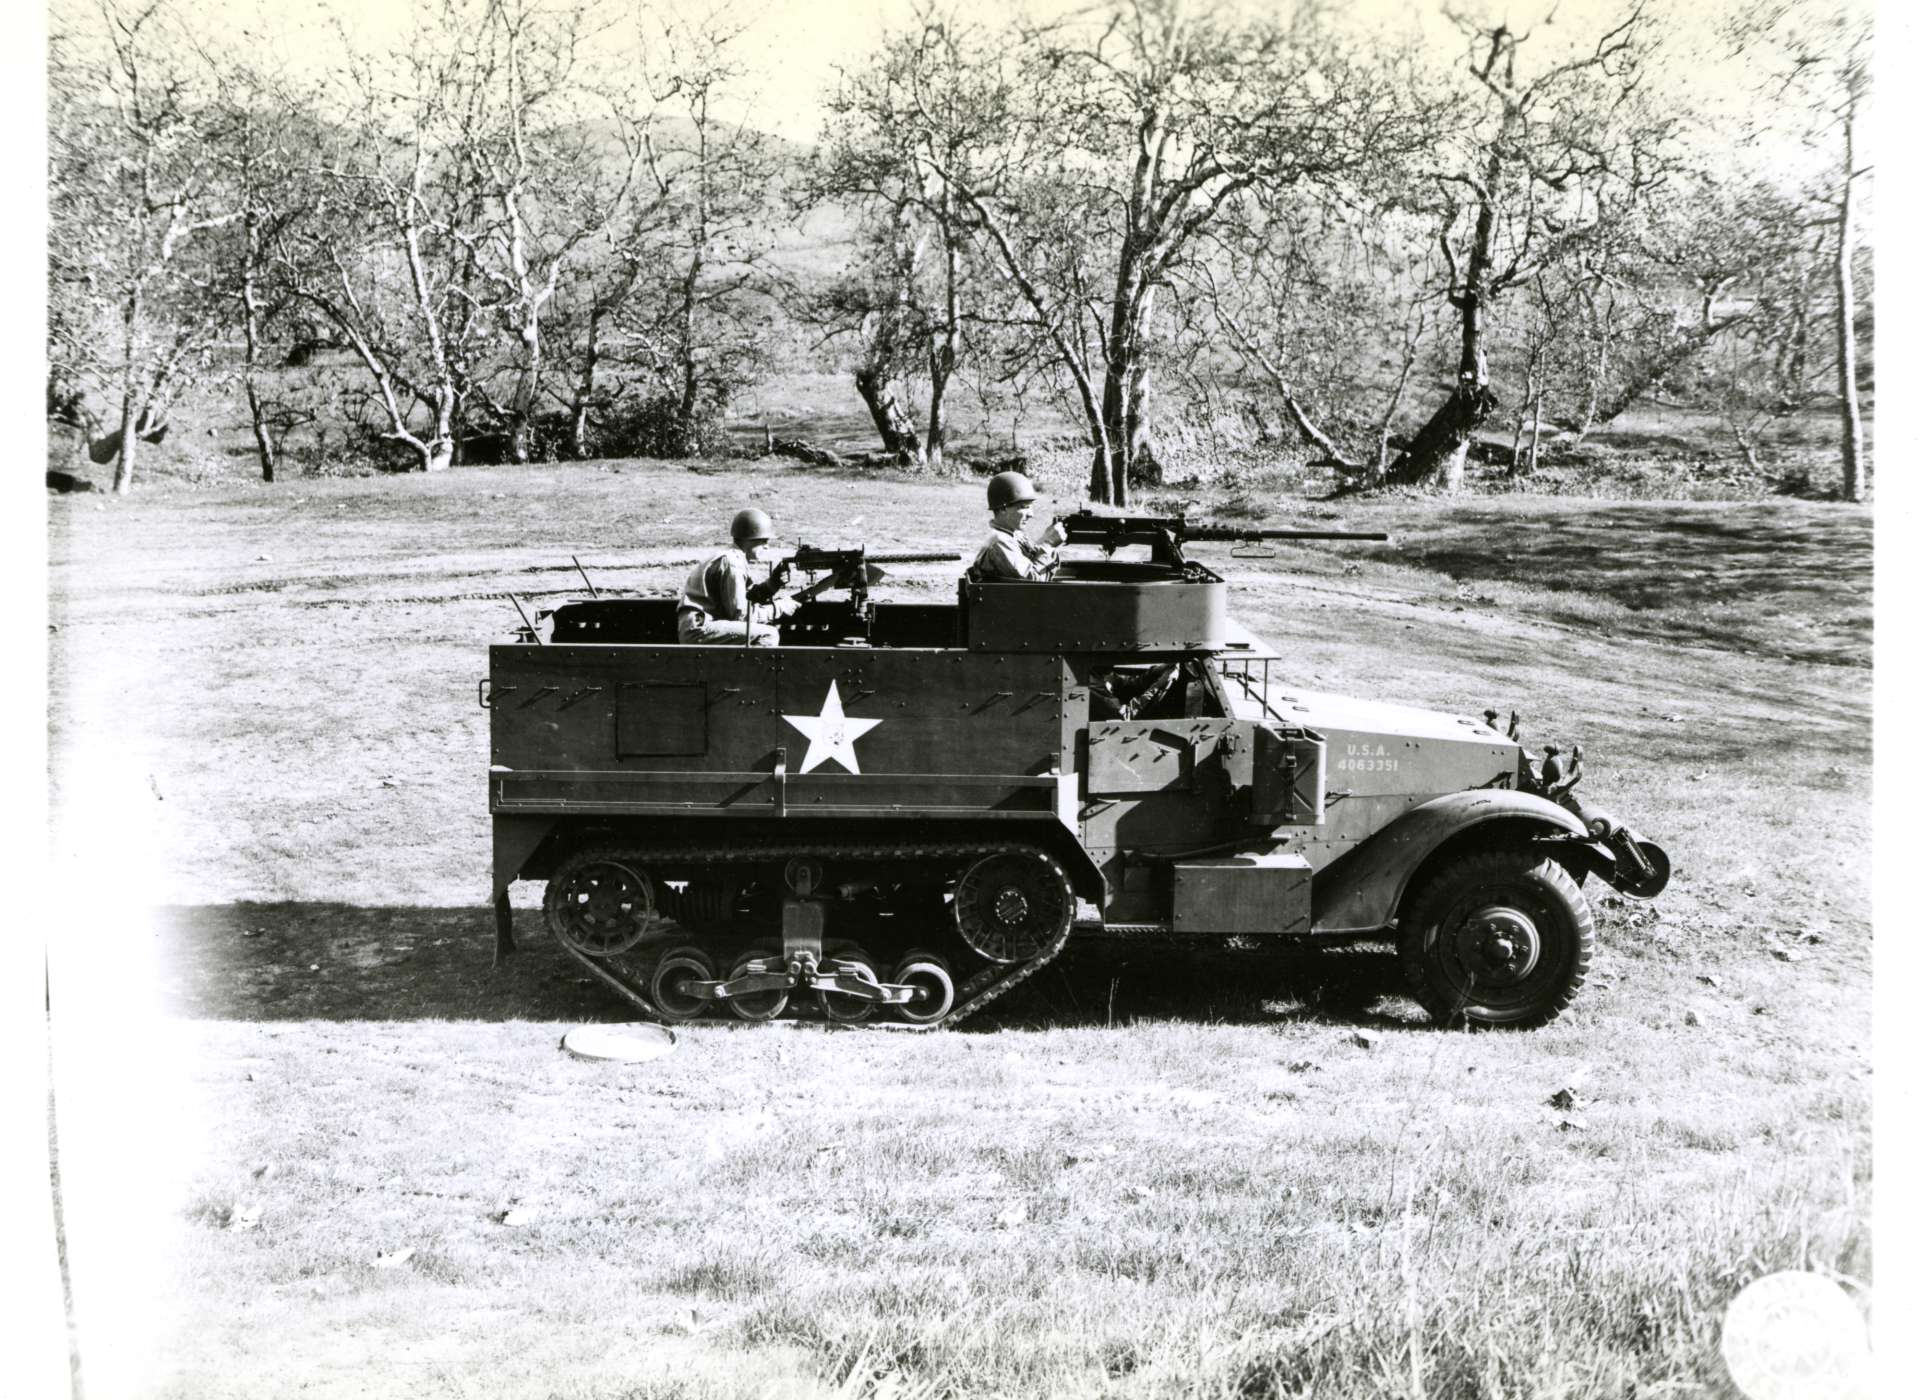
(1008,554)
(718,604)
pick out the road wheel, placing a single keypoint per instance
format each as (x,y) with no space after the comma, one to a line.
(1011,904)
(600,904)
(677,968)
(932,986)
(1503,938)
(757,1006)
(838,1006)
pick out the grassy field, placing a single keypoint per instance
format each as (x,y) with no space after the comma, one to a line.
(355,1161)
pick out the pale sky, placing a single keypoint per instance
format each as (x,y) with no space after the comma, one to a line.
(793,46)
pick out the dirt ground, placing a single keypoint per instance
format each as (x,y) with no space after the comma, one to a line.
(263,704)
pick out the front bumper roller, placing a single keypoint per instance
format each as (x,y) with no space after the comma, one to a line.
(1637,868)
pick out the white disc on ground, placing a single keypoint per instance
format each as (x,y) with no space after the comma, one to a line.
(628,1043)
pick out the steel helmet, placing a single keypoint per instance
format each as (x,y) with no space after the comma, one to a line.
(752,526)
(1008,489)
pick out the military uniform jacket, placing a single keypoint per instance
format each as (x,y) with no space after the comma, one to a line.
(718,588)
(1008,555)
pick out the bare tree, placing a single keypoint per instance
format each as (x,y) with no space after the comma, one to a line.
(1816,56)
(1548,162)
(1099,146)
(136,195)
(894,170)
(1329,310)
(257,132)
(694,322)
(387,260)
(549,181)
(877,307)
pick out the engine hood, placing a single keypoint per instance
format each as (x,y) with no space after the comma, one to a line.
(1323,711)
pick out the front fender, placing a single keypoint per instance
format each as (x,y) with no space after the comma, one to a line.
(1360,891)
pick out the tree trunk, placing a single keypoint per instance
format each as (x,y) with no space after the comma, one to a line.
(896,430)
(129,449)
(689,401)
(437,452)
(250,302)
(940,371)
(583,392)
(262,432)
(1533,446)
(1529,401)
(1853,483)
(1437,455)
(525,395)
(1126,392)
(130,404)
(1143,463)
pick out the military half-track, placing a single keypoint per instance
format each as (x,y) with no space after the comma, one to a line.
(906,809)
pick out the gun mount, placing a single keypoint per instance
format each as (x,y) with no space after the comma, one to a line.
(852,569)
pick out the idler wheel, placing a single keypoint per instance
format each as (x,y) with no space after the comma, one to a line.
(932,987)
(838,1006)
(1010,905)
(675,970)
(600,905)
(1503,938)
(757,1006)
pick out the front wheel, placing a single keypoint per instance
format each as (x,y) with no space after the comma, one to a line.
(1503,938)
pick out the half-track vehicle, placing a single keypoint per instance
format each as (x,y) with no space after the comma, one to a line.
(905,809)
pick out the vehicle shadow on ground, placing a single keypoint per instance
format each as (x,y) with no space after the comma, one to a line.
(340,962)
(1101,981)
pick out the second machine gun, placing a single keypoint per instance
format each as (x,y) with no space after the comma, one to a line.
(852,569)
(1165,534)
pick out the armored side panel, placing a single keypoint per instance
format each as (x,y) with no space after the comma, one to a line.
(777,732)
(1100,607)
(925,732)
(1265,893)
(1154,787)
(616,729)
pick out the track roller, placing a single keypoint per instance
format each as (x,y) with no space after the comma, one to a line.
(670,977)
(846,1008)
(760,1005)
(932,987)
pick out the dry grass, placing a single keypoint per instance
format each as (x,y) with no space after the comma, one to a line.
(1156,1171)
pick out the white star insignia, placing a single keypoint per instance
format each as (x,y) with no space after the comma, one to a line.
(830,734)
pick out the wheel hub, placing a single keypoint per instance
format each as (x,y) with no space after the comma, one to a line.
(1499,945)
(1010,906)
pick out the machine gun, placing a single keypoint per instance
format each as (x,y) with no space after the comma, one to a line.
(853,569)
(1165,534)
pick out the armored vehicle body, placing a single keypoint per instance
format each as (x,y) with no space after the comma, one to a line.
(905,809)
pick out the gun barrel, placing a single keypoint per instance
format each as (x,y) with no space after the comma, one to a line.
(808,557)
(1229,532)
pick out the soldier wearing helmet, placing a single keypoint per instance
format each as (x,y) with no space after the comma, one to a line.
(1008,554)
(718,605)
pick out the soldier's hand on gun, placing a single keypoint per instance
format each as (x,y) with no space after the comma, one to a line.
(1056,534)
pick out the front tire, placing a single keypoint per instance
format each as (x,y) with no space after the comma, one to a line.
(1504,938)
